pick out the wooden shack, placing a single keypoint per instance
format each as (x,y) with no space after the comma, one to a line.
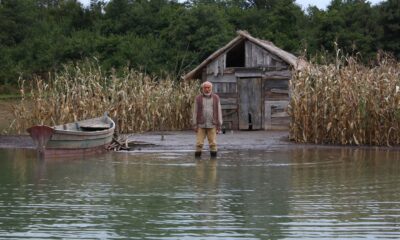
(251,76)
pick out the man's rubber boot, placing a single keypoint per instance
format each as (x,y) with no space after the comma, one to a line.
(197,154)
(213,154)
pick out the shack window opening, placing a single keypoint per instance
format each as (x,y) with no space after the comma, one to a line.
(235,57)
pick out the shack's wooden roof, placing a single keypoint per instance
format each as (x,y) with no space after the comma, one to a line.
(243,35)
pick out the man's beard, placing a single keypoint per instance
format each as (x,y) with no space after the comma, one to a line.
(207,94)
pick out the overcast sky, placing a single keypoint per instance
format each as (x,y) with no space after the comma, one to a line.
(322,4)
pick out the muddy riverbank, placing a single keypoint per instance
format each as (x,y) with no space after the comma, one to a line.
(182,140)
(185,140)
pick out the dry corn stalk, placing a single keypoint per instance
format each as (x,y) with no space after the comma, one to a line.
(347,103)
(137,102)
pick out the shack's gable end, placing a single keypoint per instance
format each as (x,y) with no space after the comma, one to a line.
(251,76)
(232,55)
(257,56)
(245,55)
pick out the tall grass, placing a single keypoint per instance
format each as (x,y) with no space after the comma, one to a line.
(346,103)
(136,101)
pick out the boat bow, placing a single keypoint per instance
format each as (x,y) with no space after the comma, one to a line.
(41,135)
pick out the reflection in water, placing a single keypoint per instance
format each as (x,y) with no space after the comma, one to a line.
(295,194)
(351,191)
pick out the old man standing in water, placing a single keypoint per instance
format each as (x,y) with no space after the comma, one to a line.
(207,119)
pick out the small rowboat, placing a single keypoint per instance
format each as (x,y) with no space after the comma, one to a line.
(84,136)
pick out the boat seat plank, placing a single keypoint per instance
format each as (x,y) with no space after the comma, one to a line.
(94,125)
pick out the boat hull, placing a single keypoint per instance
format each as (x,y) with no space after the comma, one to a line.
(65,140)
(74,138)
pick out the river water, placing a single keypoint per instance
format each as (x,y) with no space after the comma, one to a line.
(293,194)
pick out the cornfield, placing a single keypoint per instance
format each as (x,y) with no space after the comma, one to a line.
(346,103)
(137,102)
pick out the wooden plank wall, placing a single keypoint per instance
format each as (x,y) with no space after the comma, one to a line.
(257,56)
(217,67)
(275,74)
(276,101)
(250,103)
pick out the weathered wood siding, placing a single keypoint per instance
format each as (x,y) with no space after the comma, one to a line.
(257,56)
(250,103)
(273,76)
(217,66)
(276,90)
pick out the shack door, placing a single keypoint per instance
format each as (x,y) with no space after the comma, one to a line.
(250,103)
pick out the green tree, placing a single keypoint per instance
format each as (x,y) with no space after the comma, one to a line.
(390,21)
(198,31)
(16,19)
(37,36)
(282,22)
(352,24)
(286,23)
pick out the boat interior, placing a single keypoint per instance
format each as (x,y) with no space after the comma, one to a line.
(89,125)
